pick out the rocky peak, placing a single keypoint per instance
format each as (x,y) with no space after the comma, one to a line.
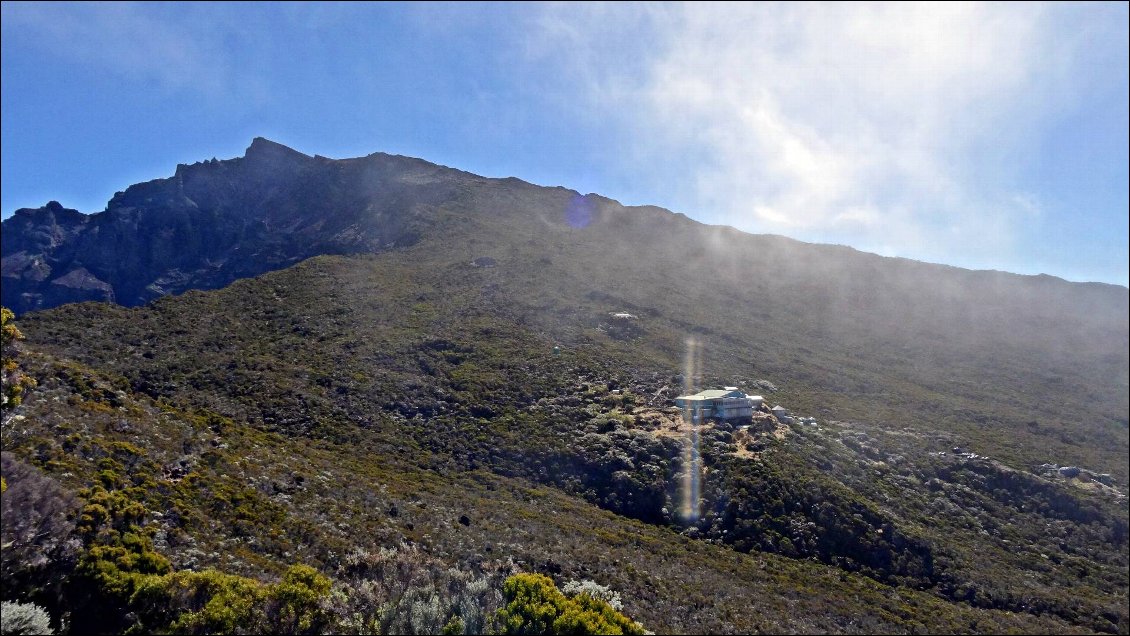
(265,150)
(210,223)
(43,228)
(52,212)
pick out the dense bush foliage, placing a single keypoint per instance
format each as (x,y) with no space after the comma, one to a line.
(534,605)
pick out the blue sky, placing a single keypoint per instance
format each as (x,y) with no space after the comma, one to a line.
(989,136)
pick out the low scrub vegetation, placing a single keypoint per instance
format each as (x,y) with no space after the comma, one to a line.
(352,416)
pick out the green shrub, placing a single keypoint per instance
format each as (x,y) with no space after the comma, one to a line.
(107,513)
(453,627)
(212,602)
(207,602)
(295,603)
(117,570)
(118,561)
(536,606)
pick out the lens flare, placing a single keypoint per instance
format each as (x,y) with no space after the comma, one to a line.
(692,460)
(579,211)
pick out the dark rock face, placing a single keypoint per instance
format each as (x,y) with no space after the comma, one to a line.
(217,221)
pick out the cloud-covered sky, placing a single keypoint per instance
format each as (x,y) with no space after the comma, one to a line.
(991,136)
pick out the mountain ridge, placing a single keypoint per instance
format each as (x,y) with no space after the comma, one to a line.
(257,216)
(969,461)
(199,210)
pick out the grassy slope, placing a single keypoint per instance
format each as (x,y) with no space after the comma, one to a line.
(415,379)
(252,502)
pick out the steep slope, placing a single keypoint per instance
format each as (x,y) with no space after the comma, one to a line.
(483,344)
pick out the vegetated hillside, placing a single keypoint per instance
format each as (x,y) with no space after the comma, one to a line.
(478,373)
(389,520)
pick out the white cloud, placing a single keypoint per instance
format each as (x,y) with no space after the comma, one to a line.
(878,125)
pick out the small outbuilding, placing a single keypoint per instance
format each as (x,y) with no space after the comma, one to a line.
(782,414)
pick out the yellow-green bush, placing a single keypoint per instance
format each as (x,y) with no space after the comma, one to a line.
(295,602)
(15,382)
(212,602)
(207,602)
(536,606)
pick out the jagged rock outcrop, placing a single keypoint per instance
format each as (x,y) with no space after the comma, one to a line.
(213,222)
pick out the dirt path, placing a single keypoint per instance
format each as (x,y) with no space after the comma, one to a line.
(668,422)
